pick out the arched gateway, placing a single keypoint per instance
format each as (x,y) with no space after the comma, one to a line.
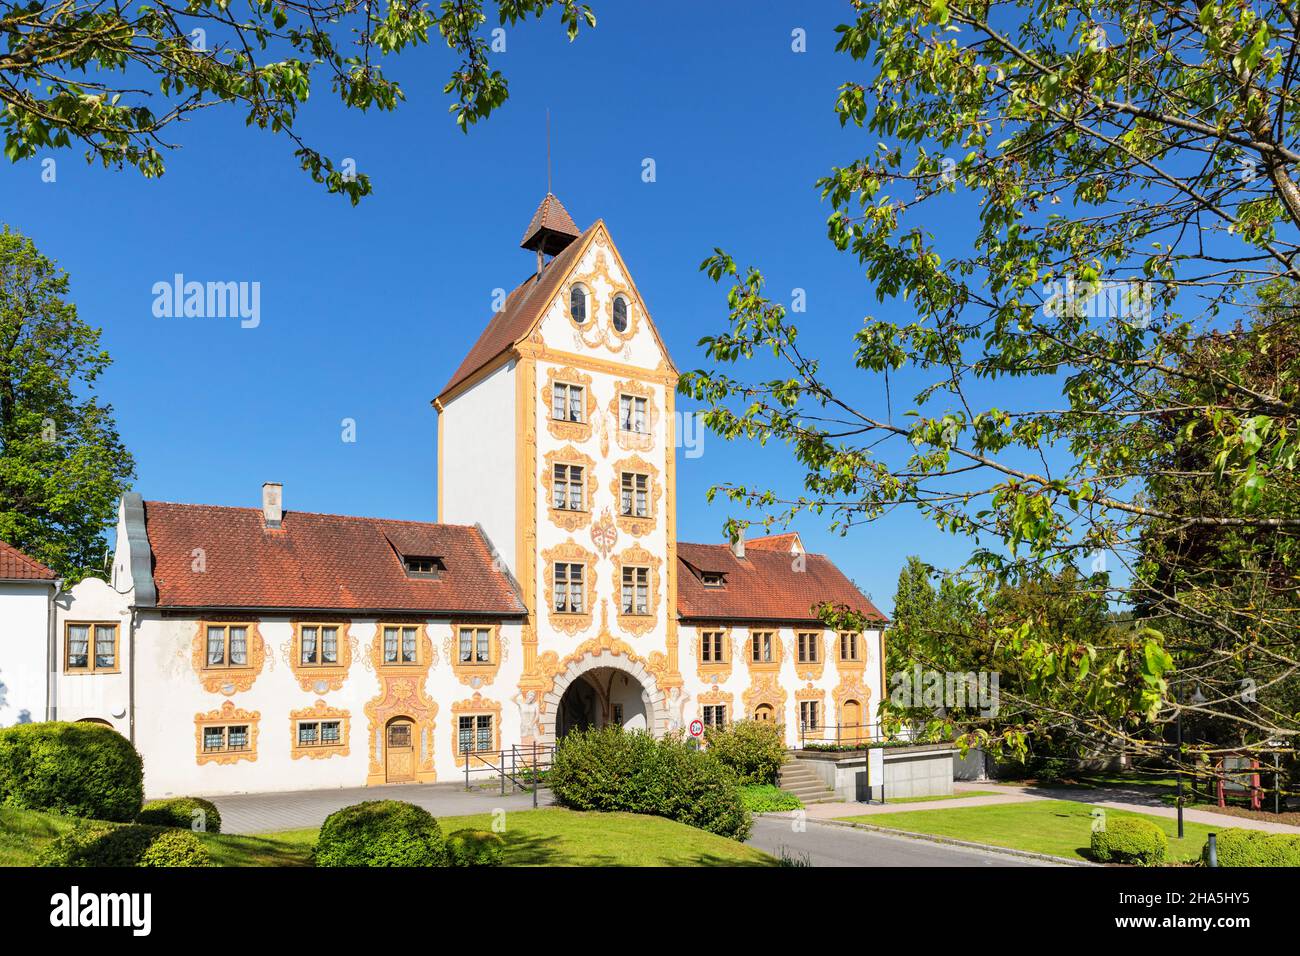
(601,689)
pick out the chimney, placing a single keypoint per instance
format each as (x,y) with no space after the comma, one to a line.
(738,543)
(272,503)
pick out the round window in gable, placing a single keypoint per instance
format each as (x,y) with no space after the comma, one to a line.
(620,313)
(578,304)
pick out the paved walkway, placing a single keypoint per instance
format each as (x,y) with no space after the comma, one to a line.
(264,812)
(825,845)
(1136,799)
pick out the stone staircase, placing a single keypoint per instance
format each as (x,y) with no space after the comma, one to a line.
(800,780)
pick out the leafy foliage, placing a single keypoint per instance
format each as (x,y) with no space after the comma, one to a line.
(609,769)
(62,465)
(768,798)
(72,72)
(82,770)
(380,833)
(1254,848)
(1125,170)
(176,848)
(476,848)
(190,813)
(751,748)
(1130,840)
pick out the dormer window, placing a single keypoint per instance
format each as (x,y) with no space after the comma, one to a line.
(713,579)
(578,304)
(423,566)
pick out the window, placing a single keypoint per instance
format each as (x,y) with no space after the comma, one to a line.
(632,414)
(318,645)
(225,738)
(474,733)
(578,304)
(620,313)
(400,644)
(713,647)
(715,715)
(423,567)
(227,645)
(568,587)
(850,649)
(761,647)
(808,647)
(567,402)
(713,579)
(475,645)
(635,499)
(319,733)
(90,647)
(566,488)
(636,590)
(808,714)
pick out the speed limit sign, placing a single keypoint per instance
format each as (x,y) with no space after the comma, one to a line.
(697,728)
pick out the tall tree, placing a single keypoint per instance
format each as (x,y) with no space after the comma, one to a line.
(1127,170)
(78,71)
(62,465)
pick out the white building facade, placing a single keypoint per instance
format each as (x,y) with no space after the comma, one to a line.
(247,650)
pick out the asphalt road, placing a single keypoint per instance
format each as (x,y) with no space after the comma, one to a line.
(826,845)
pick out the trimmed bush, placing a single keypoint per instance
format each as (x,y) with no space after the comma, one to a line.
(189,813)
(1238,847)
(475,848)
(751,748)
(176,848)
(81,770)
(766,798)
(613,770)
(380,833)
(1130,840)
(99,845)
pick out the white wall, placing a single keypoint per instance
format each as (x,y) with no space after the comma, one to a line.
(94,696)
(477,460)
(24,641)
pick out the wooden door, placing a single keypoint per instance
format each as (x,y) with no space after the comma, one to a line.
(851,719)
(399,751)
(763,712)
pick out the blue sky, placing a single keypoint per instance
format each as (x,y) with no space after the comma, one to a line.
(366,311)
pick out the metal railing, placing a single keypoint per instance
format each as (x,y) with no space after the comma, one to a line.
(523,765)
(840,735)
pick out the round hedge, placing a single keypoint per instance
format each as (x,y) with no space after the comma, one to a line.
(82,770)
(475,848)
(1130,840)
(189,813)
(1236,847)
(610,769)
(176,848)
(380,833)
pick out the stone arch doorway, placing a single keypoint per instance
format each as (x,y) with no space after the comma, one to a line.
(602,689)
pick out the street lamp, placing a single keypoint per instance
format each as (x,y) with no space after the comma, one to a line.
(1197,699)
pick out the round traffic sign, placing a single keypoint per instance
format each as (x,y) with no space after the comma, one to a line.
(697,728)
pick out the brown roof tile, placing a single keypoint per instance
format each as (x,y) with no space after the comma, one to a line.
(523,306)
(319,561)
(763,586)
(775,542)
(551,216)
(16,566)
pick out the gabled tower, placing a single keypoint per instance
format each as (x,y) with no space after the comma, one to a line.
(556,434)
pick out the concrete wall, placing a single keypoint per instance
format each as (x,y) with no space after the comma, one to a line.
(921,771)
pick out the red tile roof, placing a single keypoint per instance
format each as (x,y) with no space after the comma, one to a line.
(763,586)
(775,542)
(16,566)
(551,216)
(523,307)
(319,561)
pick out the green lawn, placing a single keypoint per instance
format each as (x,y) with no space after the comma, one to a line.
(1057,827)
(551,837)
(947,796)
